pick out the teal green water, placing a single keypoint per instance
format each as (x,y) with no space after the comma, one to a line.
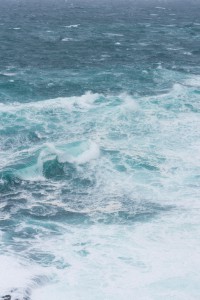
(100,150)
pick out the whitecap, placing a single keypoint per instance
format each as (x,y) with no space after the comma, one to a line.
(69,103)
(143,44)
(67,39)
(193,81)
(89,154)
(129,102)
(160,7)
(174,49)
(113,34)
(8,74)
(72,26)
(79,152)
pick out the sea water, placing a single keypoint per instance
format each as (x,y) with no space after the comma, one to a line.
(99,150)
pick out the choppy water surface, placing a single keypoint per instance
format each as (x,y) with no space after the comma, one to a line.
(99,150)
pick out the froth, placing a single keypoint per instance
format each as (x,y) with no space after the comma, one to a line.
(18,277)
(90,153)
(79,152)
(67,39)
(69,103)
(72,26)
(115,262)
(129,102)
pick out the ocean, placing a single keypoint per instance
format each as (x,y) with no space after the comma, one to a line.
(99,150)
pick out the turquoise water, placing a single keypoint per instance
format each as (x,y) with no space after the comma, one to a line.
(100,150)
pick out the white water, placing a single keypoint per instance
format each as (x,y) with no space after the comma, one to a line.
(142,238)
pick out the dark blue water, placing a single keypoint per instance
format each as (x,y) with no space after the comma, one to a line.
(99,149)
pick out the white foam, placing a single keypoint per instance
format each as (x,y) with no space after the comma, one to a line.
(149,260)
(67,39)
(8,278)
(143,44)
(76,153)
(90,154)
(80,153)
(16,274)
(72,26)
(113,34)
(8,74)
(194,81)
(187,53)
(129,102)
(174,49)
(159,7)
(69,103)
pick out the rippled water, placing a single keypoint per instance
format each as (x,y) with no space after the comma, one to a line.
(99,150)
